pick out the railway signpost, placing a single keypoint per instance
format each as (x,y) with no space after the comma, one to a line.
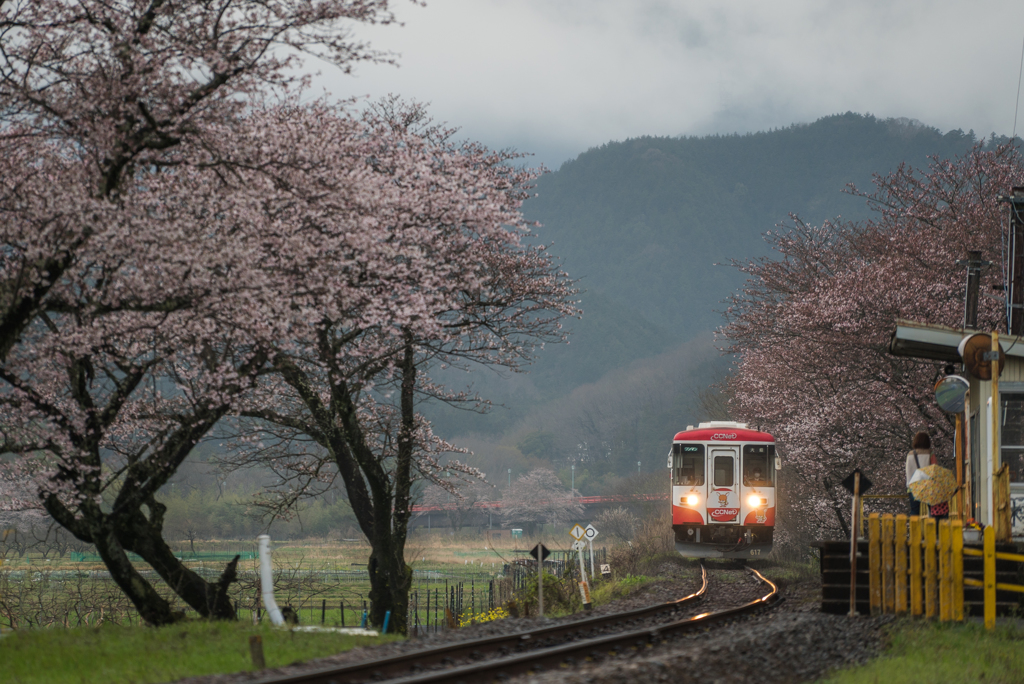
(857,484)
(540,552)
(579,546)
(590,533)
(577,532)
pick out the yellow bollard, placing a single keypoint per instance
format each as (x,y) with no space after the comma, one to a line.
(989,552)
(875,563)
(888,566)
(930,585)
(945,574)
(900,569)
(915,565)
(957,561)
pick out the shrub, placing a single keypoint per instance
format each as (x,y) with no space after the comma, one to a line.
(618,523)
(652,541)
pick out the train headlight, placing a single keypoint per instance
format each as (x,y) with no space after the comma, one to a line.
(754,500)
(693,500)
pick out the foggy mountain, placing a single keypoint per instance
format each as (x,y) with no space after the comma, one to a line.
(649,226)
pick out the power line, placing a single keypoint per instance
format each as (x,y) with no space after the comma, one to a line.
(1016,105)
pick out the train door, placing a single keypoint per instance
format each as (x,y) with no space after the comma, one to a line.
(724,495)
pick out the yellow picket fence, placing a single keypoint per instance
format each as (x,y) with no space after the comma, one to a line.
(989,584)
(916,566)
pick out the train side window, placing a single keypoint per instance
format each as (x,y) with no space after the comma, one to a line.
(688,464)
(758,465)
(724,476)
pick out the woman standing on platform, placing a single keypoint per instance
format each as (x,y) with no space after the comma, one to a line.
(918,457)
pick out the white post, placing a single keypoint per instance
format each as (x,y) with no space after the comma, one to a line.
(590,543)
(583,569)
(267,581)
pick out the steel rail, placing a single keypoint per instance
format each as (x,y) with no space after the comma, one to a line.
(534,638)
(566,655)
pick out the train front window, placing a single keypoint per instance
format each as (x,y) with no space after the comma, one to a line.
(724,471)
(688,464)
(758,466)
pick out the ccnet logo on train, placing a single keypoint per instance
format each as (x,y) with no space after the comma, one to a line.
(722,505)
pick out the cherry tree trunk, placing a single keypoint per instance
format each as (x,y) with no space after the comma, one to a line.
(209,599)
(153,607)
(390,581)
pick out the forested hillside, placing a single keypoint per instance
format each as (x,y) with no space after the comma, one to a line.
(644,221)
(649,226)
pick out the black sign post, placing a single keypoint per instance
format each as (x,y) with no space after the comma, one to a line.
(540,549)
(857,484)
(540,552)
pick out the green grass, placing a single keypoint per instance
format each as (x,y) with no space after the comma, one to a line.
(606,591)
(143,655)
(943,654)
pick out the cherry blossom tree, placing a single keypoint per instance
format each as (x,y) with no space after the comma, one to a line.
(456,506)
(183,242)
(812,326)
(134,198)
(429,267)
(536,498)
(123,85)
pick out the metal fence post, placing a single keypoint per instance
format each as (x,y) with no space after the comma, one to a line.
(945,573)
(957,560)
(900,540)
(875,563)
(915,566)
(990,577)
(888,565)
(930,585)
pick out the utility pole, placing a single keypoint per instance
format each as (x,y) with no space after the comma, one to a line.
(1015,296)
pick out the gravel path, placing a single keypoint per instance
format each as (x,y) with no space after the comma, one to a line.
(792,642)
(774,647)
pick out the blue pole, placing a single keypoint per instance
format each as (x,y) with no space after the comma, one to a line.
(363,623)
(387,616)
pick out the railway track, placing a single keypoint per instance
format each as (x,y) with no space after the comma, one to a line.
(532,651)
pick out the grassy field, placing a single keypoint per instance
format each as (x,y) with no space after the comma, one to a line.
(940,653)
(68,606)
(324,581)
(113,653)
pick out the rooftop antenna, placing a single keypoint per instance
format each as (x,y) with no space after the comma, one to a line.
(1015,279)
(974,264)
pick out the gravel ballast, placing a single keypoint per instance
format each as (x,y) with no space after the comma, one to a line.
(791,642)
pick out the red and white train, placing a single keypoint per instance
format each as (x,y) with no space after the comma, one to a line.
(723,491)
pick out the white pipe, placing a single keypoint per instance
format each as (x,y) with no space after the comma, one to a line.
(267,581)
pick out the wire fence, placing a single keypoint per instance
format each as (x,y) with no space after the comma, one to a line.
(441,597)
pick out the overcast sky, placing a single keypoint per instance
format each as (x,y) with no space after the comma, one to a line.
(556,77)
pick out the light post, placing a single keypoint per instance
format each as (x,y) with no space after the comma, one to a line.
(638,467)
(573,487)
(509,477)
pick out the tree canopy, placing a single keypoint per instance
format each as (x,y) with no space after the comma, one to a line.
(811,327)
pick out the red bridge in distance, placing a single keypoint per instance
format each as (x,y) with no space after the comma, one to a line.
(585,500)
(482,513)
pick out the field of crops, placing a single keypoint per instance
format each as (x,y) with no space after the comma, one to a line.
(324,581)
